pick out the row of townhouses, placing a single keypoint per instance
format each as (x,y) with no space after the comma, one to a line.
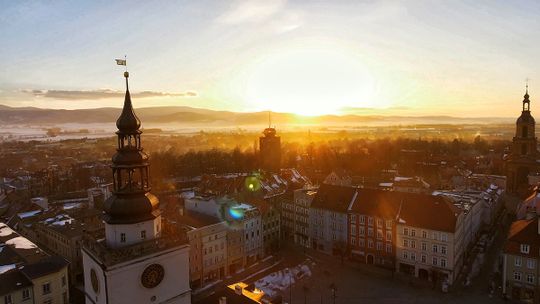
(425,235)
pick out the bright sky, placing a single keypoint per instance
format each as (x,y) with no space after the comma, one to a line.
(460,58)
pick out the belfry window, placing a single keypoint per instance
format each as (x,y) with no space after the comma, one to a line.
(524,131)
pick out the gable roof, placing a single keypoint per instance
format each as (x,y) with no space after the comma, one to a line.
(334,198)
(523,232)
(428,211)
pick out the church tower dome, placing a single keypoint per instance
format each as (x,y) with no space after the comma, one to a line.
(522,160)
(131,201)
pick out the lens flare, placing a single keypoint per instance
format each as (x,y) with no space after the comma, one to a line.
(236,214)
(252,183)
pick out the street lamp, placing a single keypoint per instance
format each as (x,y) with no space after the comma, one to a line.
(333,289)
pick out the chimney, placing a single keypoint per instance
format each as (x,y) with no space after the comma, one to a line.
(223,300)
(238,290)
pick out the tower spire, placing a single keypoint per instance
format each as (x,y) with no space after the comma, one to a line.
(269,119)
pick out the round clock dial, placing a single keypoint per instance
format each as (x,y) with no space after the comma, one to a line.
(152,276)
(94,280)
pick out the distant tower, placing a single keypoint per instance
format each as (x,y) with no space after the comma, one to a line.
(523,155)
(270,149)
(139,261)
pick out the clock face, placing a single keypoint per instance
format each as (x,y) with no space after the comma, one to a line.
(152,276)
(94,280)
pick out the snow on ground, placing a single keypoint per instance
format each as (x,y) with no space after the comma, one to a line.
(21,243)
(4,268)
(278,281)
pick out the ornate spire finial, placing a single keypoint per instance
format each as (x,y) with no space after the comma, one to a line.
(526,88)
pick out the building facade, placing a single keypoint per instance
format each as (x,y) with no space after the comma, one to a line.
(520,261)
(429,238)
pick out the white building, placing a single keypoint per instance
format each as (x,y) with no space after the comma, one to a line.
(429,238)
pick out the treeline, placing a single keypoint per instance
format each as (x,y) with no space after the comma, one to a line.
(358,156)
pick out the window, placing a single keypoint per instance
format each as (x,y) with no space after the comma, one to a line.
(435,248)
(517,276)
(444,237)
(370,221)
(405,231)
(531,264)
(388,235)
(370,232)
(443,250)
(353,241)
(379,246)
(524,248)
(143,234)
(413,232)
(379,223)
(413,256)
(413,244)
(388,224)
(517,261)
(7,299)
(46,288)
(530,278)
(434,261)
(362,219)
(424,258)
(362,243)
(435,236)
(443,263)
(388,248)
(405,243)
(353,231)
(424,247)
(379,234)
(424,234)
(26,294)
(370,244)
(405,255)
(122,237)
(362,230)
(353,218)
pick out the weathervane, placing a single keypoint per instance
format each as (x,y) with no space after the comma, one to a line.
(124,63)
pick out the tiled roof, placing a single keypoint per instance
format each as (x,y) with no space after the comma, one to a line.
(375,202)
(428,211)
(334,198)
(197,220)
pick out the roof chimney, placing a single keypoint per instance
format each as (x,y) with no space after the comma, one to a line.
(238,289)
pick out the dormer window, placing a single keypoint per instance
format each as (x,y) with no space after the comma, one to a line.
(524,248)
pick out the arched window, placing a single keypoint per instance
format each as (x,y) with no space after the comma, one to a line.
(524,131)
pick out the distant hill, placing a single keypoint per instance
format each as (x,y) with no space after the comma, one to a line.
(197,116)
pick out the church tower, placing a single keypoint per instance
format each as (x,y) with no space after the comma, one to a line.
(270,149)
(523,155)
(139,260)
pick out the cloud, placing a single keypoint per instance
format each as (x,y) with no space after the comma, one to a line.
(250,11)
(102,94)
(270,15)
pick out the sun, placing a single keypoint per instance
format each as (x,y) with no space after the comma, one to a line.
(309,82)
